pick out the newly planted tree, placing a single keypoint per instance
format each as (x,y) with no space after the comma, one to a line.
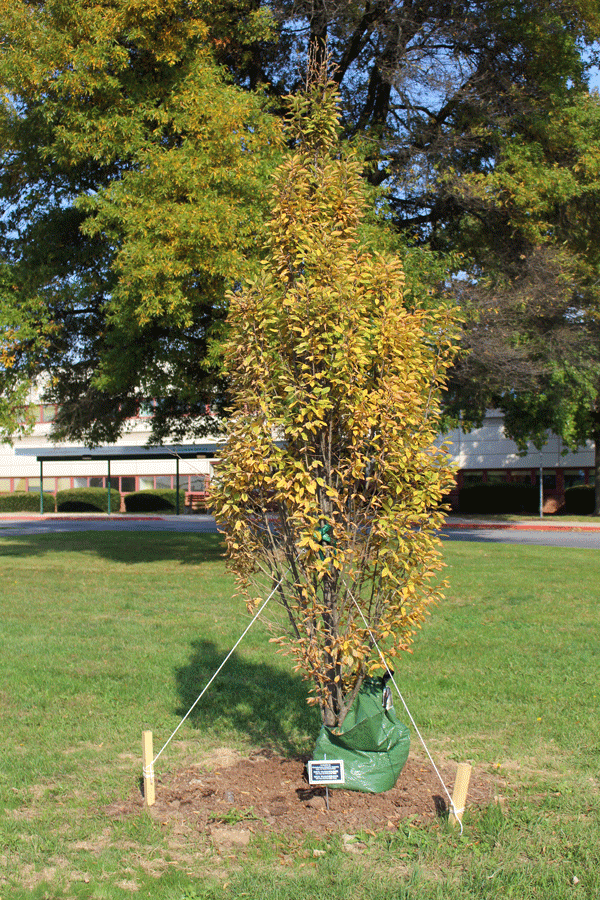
(331,482)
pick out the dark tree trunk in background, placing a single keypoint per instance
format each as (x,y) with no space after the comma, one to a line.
(597,473)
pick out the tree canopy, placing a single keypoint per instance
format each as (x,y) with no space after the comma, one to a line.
(534,337)
(131,182)
(135,149)
(424,81)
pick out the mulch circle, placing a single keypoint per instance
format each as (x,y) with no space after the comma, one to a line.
(267,792)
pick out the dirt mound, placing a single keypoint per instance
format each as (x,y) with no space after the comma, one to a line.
(265,791)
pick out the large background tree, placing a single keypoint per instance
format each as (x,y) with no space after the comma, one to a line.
(532,346)
(424,79)
(104,104)
(131,182)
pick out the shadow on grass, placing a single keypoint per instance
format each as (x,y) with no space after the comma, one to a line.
(256,700)
(127,547)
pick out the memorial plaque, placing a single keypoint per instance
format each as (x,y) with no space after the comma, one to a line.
(326,771)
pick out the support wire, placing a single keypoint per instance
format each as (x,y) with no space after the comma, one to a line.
(206,687)
(457,812)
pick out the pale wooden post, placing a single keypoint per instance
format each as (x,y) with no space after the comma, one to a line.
(461,786)
(148,768)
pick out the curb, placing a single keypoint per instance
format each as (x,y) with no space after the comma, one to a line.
(83,517)
(519,526)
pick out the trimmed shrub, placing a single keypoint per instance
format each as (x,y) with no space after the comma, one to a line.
(499,498)
(26,501)
(580,500)
(88,500)
(151,500)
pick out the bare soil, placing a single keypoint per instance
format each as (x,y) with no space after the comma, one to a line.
(265,792)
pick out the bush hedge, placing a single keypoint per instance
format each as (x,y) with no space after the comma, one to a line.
(580,500)
(25,501)
(150,500)
(499,498)
(88,500)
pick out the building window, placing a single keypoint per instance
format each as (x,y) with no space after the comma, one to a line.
(127,484)
(573,477)
(498,476)
(521,477)
(471,478)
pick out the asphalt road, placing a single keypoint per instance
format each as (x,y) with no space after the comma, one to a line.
(589,540)
(186,524)
(545,535)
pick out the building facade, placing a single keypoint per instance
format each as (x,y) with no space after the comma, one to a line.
(20,472)
(482,455)
(486,455)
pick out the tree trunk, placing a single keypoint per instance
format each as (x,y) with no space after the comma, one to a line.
(597,473)
(319,21)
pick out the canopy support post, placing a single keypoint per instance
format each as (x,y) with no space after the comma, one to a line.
(108,482)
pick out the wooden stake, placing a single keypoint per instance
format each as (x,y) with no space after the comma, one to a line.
(461,786)
(148,768)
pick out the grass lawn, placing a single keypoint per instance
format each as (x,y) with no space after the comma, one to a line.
(105,634)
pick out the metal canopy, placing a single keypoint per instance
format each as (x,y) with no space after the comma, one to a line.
(74,454)
(109,454)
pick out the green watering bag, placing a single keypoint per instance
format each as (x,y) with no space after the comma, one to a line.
(372,742)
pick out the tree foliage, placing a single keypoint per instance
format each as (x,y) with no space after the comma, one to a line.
(133,171)
(330,482)
(131,183)
(423,80)
(481,129)
(23,320)
(533,340)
